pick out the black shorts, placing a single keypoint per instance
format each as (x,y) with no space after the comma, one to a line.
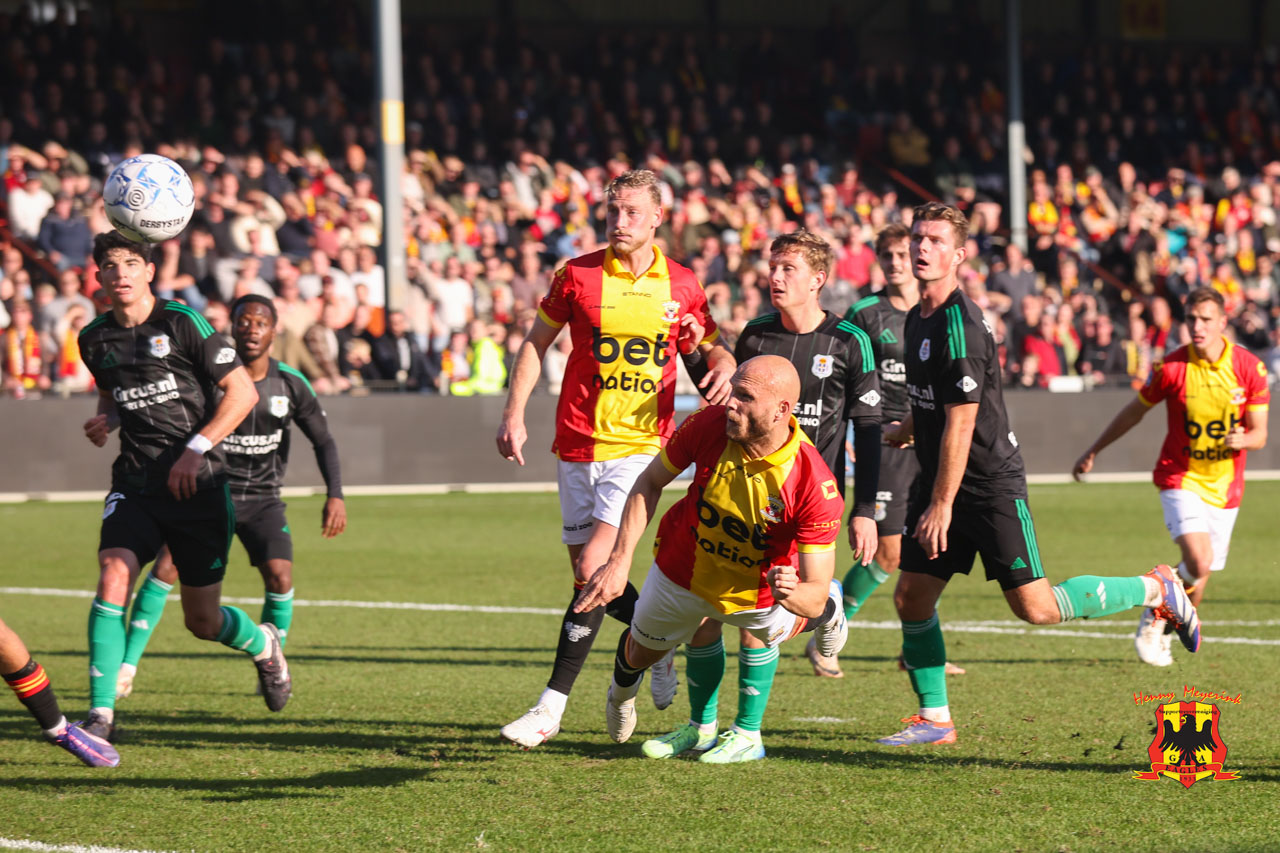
(264,531)
(1003,534)
(197,530)
(898,470)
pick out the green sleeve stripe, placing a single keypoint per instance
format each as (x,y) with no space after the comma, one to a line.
(955,333)
(293,371)
(95,322)
(864,343)
(762,319)
(861,304)
(202,325)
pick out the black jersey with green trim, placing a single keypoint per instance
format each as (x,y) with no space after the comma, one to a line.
(163,375)
(258,449)
(951,358)
(886,326)
(837,377)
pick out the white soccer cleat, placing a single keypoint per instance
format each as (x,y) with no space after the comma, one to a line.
(124,680)
(536,727)
(663,681)
(620,717)
(829,638)
(1151,642)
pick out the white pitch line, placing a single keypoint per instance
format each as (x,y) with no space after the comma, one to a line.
(23,844)
(981,627)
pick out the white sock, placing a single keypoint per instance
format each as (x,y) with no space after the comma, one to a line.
(58,729)
(266,648)
(706,728)
(129,669)
(936,715)
(1155,594)
(755,736)
(554,700)
(108,714)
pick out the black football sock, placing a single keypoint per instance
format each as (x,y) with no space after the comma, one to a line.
(577,634)
(34,690)
(623,607)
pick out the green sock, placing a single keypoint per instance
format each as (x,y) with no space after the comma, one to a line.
(106,652)
(148,607)
(704,670)
(1091,596)
(925,654)
(239,632)
(859,583)
(756,668)
(277,608)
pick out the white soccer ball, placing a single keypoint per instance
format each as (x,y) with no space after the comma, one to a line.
(149,198)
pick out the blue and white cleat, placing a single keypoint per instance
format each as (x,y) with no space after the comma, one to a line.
(89,748)
(1176,607)
(919,730)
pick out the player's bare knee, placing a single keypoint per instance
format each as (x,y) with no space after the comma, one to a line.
(205,626)
(277,576)
(708,632)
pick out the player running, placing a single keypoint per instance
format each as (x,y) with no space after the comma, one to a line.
(1216,398)
(34,690)
(752,543)
(883,317)
(257,454)
(972,496)
(626,307)
(157,364)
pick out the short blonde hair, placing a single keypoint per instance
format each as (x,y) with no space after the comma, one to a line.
(635,179)
(817,253)
(936,211)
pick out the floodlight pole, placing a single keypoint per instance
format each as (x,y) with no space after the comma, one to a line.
(386,19)
(1017,131)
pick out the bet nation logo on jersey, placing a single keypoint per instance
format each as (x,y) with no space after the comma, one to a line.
(1187,745)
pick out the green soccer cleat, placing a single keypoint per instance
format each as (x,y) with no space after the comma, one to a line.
(687,738)
(734,747)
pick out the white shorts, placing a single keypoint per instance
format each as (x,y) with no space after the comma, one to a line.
(667,615)
(1187,512)
(596,491)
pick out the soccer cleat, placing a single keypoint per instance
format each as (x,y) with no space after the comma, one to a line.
(89,748)
(536,727)
(1150,640)
(823,667)
(273,672)
(1176,607)
(920,730)
(949,668)
(829,638)
(734,747)
(687,738)
(98,726)
(620,717)
(663,682)
(124,681)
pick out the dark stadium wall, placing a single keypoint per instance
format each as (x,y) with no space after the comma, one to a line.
(401,440)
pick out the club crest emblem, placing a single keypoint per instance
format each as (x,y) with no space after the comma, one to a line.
(1237,396)
(279,407)
(159,346)
(670,312)
(823,365)
(924,350)
(772,511)
(1187,746)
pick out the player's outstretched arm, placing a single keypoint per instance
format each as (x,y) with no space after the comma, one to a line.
(524,378)
(238,398)
(101,425)
(804,592)
(957,437)
(1125,420)
(609,580)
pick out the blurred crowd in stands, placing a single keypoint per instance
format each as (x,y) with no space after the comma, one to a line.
(1147,178)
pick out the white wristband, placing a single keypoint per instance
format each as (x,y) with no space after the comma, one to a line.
(199,444)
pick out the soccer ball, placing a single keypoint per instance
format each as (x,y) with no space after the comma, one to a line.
(149,198)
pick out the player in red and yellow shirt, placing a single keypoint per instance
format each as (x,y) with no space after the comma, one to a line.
(752,543)
(627,308)
(1216,399)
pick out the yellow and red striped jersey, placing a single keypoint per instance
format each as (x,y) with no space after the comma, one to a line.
(1205,400)
(618,395)
(742,516)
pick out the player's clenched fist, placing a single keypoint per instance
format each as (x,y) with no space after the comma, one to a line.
(97,429)
(783,580)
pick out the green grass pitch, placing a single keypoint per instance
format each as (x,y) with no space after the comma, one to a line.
(390,741)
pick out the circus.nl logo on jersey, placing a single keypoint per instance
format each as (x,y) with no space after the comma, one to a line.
(1187,745)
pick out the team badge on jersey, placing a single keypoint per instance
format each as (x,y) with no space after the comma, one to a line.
(670,312)
(279,407)
(924,350)
(823,365)
(159,346)
(1237,396)
(772,511)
